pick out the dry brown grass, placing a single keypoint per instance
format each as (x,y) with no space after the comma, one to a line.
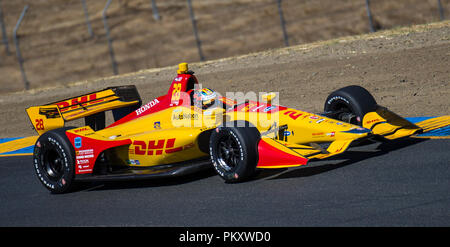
(58,49)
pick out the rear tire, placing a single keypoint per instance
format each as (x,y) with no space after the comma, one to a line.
(234,151)
(54,161)
(350,104)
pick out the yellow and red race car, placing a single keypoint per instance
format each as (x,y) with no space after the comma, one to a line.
(189,128)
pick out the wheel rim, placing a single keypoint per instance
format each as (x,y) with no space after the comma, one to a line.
(345,113)
(228,152)
(53,165)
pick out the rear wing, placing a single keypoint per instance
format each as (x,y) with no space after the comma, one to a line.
(121,100)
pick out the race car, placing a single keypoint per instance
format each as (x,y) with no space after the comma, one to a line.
(193,128)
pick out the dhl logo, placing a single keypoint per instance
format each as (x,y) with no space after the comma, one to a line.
(77,102)
(81,129)
(373,121)
(157,147)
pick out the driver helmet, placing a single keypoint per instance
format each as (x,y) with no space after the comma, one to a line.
(204,98)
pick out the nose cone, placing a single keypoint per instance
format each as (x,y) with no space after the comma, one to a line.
(275,155)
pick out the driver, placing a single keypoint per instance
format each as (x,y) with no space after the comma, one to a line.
(204,98)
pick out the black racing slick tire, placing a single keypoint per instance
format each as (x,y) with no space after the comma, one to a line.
(350,104)
(234,151)
(54,161)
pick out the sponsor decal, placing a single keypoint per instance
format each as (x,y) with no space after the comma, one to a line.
(182,116)
(77,142)
(156,147)
(320,120)
(318,134)
(146,107)
(84,154)
(373,121)
(133,162)
(82,161)
(84,168)
(331,134)
(157,125)
(81,129)
(78,102)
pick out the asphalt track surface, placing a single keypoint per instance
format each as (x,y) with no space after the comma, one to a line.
(402,183)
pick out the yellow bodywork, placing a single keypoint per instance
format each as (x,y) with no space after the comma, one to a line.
(388,124)
(45,118)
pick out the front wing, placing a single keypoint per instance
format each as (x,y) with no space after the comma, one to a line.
(280,154)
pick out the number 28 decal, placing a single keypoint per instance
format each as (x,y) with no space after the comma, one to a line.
(39,124)
(176,91)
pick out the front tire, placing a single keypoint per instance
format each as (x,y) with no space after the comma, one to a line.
(234,151)
(54,161)
(350,104)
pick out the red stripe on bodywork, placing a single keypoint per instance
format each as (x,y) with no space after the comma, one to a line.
(84,157)
(163,102)
(269,156)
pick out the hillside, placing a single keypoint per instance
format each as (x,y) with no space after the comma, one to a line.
(58,49)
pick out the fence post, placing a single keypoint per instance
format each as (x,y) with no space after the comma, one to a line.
(18,53)
(283,23)
(4,35)
(194,26)
(110,47)
(86,14)
(441,10)
(369,14)
(155,11)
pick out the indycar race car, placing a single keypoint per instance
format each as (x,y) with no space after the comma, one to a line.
(192,128)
